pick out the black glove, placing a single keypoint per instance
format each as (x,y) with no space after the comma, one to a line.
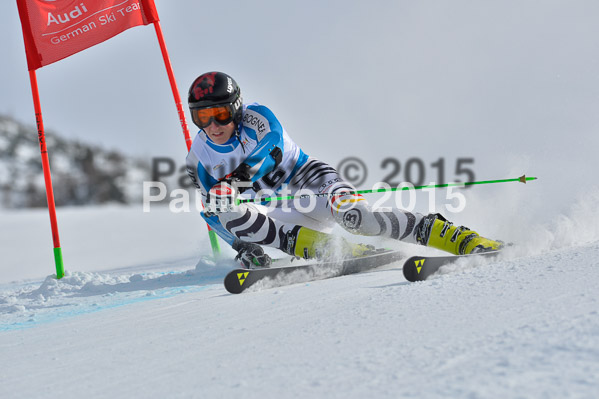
(251,255)
(240,178)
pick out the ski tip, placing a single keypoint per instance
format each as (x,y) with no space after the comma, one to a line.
(412,268)
(235,279)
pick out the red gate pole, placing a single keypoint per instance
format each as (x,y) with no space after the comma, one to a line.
(47,176)
(171,78)
(175,90)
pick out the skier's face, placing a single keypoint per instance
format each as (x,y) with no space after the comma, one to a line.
(220,134)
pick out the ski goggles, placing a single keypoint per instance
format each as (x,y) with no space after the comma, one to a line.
(203,117)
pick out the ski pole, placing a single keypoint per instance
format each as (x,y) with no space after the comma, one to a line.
(521,179)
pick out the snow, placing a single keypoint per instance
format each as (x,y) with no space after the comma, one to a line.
(142,313)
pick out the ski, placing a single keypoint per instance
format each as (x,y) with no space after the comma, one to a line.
(239,280)
(419,268)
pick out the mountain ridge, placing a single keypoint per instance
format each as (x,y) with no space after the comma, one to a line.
(82,173)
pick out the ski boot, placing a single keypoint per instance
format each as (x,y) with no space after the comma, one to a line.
(251,255)
(309,244)
(435,231)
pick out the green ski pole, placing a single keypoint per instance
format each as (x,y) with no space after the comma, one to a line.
(521,179)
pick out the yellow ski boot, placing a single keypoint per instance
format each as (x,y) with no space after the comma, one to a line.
(308,244)
(435,231)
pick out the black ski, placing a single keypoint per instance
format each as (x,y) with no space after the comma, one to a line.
(418,268)
(239,280)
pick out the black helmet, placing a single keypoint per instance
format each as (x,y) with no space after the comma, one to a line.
(215,89)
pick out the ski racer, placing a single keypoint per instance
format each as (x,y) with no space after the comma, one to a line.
(244,149)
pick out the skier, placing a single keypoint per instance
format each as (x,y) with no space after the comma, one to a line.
(244,149)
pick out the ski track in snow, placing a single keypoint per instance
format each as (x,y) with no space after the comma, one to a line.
(83,292)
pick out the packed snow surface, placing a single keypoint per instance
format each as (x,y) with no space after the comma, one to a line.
(524,325)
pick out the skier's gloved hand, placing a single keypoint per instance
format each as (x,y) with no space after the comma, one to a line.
(221,198)
(240,178)
(251,255)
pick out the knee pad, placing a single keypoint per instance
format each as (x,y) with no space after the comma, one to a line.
(352,212)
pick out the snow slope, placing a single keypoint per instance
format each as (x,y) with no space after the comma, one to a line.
(522,326)
(517,328)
